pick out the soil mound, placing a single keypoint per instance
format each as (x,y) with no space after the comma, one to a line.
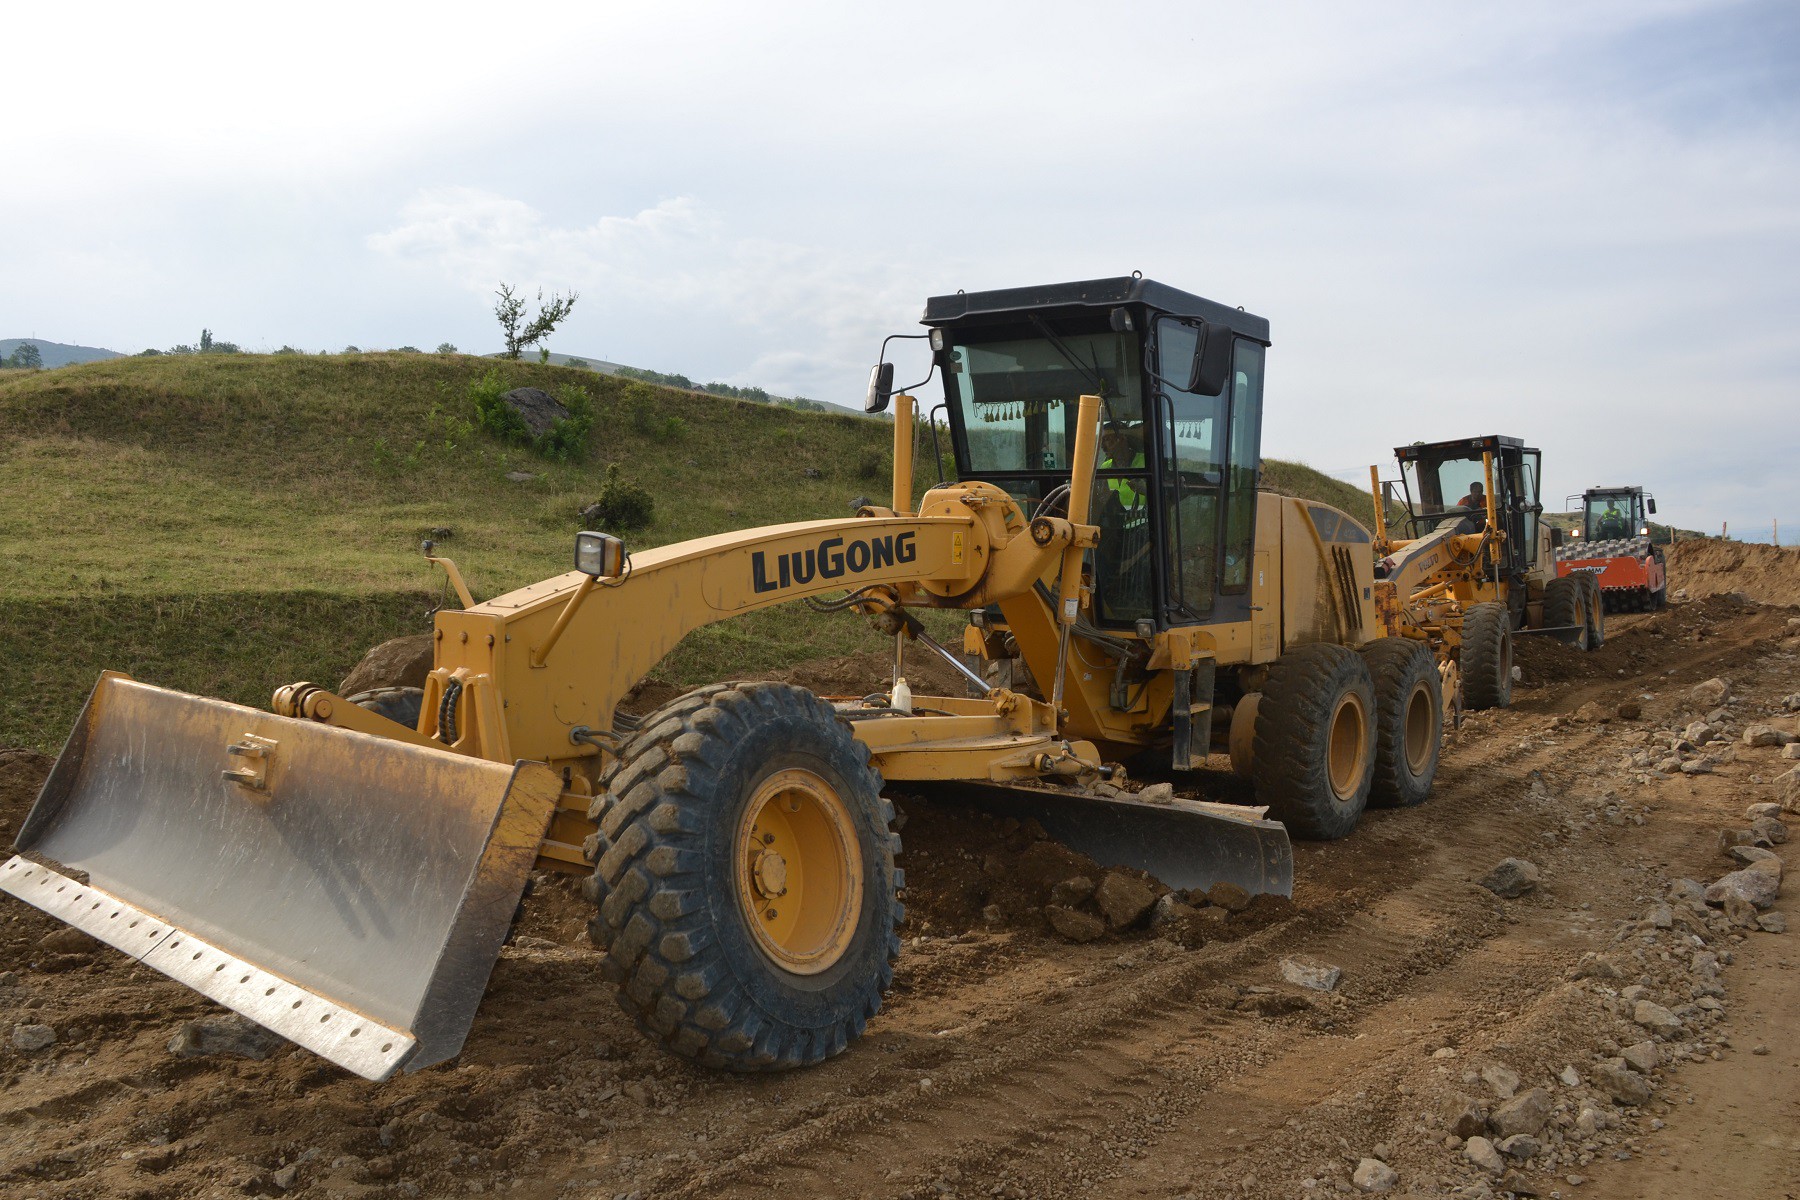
(1765,574)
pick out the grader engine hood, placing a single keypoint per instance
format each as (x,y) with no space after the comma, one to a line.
(349,892)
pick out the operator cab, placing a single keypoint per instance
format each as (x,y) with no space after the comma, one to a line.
(1180,379)
(1615,513)
(1446,482)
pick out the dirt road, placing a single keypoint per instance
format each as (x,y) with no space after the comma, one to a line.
(1009,1062)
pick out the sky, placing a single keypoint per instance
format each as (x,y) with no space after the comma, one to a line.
(1573,222)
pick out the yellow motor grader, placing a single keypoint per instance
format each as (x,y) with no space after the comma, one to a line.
(1474,565)
(347,878)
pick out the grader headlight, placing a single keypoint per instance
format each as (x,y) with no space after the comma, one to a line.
(599,554)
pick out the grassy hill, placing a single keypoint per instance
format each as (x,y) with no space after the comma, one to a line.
(227,524)
(58,354)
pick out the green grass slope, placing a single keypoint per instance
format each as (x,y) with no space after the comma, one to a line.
(227,524)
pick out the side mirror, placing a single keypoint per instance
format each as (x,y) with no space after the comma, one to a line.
(881,388)
(1652,504)
(1212,360)
(1205,369)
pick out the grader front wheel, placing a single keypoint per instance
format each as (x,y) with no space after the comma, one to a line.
(745,878)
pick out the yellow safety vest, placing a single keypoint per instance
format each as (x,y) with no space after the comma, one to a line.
(1129,497)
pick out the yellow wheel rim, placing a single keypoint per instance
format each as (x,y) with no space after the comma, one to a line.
(1416,720)
(799,874)
(1347,753)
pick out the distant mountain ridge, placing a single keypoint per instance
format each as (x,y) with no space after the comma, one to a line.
(58,354)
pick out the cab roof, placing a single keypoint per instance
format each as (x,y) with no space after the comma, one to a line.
(1474,445)
(1087,294)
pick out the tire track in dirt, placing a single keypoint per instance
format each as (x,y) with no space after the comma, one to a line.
(1125,1032)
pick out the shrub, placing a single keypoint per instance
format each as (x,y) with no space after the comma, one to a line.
(871,464)
(622,505)
(495,415)
(566,439)
(582,363)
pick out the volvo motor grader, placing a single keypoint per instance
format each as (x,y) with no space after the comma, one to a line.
(347,879)
(1472,563)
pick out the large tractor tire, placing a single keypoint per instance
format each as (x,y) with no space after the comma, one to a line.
(745,878)
(1596,614)
(1487,656)
(1314,757)
(1409,720)
(1566,604)
(400,704)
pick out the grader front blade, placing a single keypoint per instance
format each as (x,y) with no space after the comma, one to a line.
(347,891)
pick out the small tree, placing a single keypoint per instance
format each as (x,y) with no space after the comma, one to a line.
(25,354)
(446,348)
(519,332)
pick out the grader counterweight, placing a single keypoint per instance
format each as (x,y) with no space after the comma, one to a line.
(346,878)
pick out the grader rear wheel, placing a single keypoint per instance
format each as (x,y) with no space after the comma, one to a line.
(745,878)
(1409,720)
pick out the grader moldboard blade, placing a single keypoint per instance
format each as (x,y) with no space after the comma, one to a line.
(1183,843)
(347,891)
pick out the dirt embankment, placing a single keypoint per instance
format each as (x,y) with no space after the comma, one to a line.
(1765,574)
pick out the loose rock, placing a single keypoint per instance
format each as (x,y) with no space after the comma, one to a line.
(1655,1017)
(231,1035)
(397,662)
(1524,1113)
(1520,1146)
(1620,1082)
(1642,1056)
(1510,878)
(1373,1175)
(67,940)
(1463,1117)
(1311,973)
(1759,887)
(1228,896)
(1075,925)
(1504,1080)
(1710,694)
(1481,1152)
(1124,899)
(1072,891)
(30,1039)
(1772,922)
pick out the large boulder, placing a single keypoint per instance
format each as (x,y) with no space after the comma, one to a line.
(537,408)
(398,662)
(1759,887)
